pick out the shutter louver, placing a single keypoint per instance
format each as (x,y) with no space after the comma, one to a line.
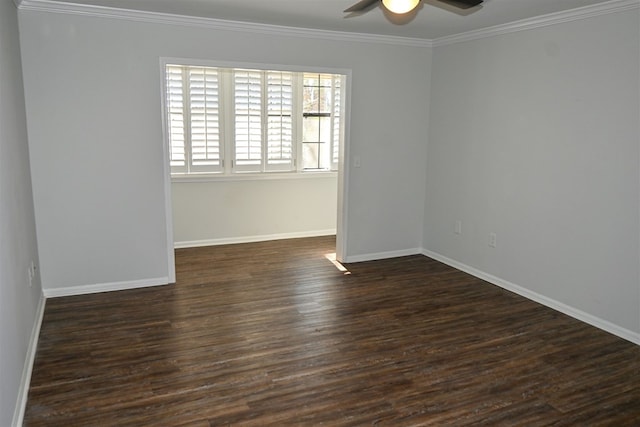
(248,120)
(279,121)
(175,104)
(337,121)
(205,124)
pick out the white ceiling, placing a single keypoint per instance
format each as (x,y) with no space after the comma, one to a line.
(431,20)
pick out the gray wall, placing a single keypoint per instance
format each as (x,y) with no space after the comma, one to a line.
(534,136)
(93,102)
(18,301)
(219,212)
(531,135)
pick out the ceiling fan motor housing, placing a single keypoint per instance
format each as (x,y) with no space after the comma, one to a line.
(404,6)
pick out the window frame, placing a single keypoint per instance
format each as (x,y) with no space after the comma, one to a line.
(228,170)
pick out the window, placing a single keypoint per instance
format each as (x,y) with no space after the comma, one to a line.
(229,121)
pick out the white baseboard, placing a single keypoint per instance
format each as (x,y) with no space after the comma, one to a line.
(252,239)
(27,370)
(605,325)
(104,287)
(382,255)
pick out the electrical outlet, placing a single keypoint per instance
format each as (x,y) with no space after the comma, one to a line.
(493,240)
(458,227)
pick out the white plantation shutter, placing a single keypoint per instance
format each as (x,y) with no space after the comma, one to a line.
(248,120)
(337,122)
(204,119)
(175,104)
(193,116)
(279,121)
(265,121)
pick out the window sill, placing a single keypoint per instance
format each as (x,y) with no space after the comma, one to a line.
(252,176)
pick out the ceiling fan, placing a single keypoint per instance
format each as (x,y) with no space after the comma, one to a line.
(404,6)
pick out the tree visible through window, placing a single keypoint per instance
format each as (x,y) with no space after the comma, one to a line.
(226,121)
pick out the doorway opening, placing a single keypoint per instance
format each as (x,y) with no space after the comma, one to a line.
(253,154)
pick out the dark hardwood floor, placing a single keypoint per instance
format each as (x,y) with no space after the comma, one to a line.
(274,334)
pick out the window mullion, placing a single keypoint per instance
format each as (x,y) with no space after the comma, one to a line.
(228,111)
(298,101)
(264,114)
(233,133)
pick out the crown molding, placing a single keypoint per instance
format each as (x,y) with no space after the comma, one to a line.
(585,12)
(541,21)
(211,23)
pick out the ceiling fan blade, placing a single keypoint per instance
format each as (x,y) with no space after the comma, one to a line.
(361,5)
(462,4)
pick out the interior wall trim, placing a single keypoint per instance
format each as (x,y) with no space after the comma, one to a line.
(252,239)
(541,21)
(215,24)
(590,319)
(382,255)
(27,370)
(104,287)
(220,24)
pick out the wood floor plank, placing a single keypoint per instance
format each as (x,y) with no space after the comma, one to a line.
(272,333)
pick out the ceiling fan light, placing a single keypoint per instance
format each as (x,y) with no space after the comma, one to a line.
(400,6)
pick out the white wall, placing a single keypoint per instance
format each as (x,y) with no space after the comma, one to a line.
(18,247)
(93,101)
(245,210)
(534,136)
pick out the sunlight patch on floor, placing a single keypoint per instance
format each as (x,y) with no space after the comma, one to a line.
(336,263)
